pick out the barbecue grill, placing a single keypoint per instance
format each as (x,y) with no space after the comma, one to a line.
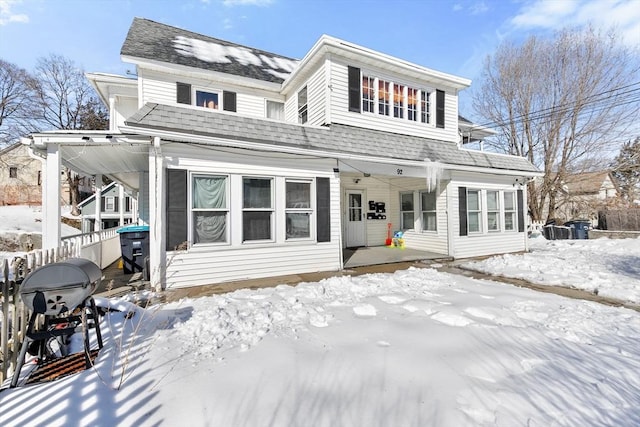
(58,291)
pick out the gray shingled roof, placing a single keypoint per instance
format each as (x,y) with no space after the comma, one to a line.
(147,39)
(335,138)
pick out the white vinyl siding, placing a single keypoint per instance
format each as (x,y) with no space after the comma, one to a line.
(316,98)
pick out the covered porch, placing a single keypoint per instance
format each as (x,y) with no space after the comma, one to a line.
(377,255)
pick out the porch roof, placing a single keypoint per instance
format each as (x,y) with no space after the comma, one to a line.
(339,139)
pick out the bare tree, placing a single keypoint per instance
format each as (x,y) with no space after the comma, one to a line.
(17,103)
(561,103)
(626,170)
(67,101)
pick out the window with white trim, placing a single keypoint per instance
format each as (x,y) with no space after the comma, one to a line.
(207,99)
(275,110)
(257,209)
(298,209)
(425,107)
(474,211)
(509,210)
(368,94)
(383,97)
(109,204)
(407,218)
(412,103)
(493,210)
(398,101)
(428,210)
(209,209)
(303,114)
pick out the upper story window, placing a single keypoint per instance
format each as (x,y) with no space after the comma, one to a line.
(215,100)
(13,172)
(383,97)
(440,109)
(302,106)
(368,93)
(412,103)
(398,101)
(425,107)
(275,110)
(109,204)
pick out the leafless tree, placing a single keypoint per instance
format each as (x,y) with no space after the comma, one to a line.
(561,102)
(17,103)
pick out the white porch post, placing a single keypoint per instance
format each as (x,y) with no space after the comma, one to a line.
(51,199)
(121,204)
(157,251)
(98,225)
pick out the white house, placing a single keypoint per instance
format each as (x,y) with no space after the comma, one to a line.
(117,207)
(249,164)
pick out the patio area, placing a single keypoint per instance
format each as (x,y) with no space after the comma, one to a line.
(375,255)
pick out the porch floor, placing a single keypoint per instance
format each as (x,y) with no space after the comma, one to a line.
(375,255)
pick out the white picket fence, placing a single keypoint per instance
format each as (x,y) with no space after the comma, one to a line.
(103,248)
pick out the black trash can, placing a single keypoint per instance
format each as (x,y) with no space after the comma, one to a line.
(134,247)
(579,228)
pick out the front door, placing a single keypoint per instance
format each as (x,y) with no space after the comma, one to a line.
(355,233)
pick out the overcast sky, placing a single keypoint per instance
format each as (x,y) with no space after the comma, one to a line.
(449,36)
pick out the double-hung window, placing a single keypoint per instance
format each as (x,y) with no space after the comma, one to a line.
(303,113)
(493,211)
(383,97)
(298,209)
(407,217)
(425,106)
(474,211)
(210,211)
(368,93)
(109,204)
(398,101)
(509,211)
(412,104)
(428,209)
(257,209)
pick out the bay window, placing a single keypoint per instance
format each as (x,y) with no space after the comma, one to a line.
(209,209)
(257,209)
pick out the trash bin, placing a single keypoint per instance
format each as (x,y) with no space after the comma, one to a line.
(579,228)
(548,232)
(134,247)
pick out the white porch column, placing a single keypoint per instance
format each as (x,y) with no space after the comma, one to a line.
(121,204)
(98,225)
(51,199)
(157,251)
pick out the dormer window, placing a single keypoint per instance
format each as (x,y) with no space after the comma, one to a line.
(368,93)
(398,101)
(185,94)
(412,103)
(302,106)
(425,107)
(383,97)
(207,99)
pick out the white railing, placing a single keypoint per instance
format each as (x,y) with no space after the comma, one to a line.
(101,247)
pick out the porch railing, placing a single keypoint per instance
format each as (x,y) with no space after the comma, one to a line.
(101,247)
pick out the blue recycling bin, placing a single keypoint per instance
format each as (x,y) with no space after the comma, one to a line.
(579,228)
(134,247)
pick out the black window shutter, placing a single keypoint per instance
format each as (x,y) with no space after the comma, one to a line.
(102,201)
(229,101)
(176,208)
(116,205)
(184,93)
(520,197)
(354,89)
(439,108)
(323,202)
(462,210)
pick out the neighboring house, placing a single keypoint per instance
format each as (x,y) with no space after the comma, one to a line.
(117,207)
(584,194)
(249,164)
(20,176)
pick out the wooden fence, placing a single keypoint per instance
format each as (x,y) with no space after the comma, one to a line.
(619,220)
(100,247)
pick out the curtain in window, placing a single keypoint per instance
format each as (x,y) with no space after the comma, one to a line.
(209,227)
(275,110)
(209,193)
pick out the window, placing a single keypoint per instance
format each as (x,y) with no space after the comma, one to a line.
(398,101)
(428,208)
(13,172)
(298,209)
(474,211)
(209,209)
(509,211)
(302,106)
(493,211)
(368,93)
(412,103)
(406,211)
(127,204)
(383,97)
(257,211)
(109,204)
(39,177)
(425,107)
(207,99)
(275,110)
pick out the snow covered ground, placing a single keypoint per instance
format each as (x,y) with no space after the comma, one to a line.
(413,348)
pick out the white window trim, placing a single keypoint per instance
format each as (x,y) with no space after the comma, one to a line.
(311,209)
(266,109)
(480,211)
(402,225)
(422,211)
(194,97)
(272,210)
(191,209)
(514,212)
(497,211)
